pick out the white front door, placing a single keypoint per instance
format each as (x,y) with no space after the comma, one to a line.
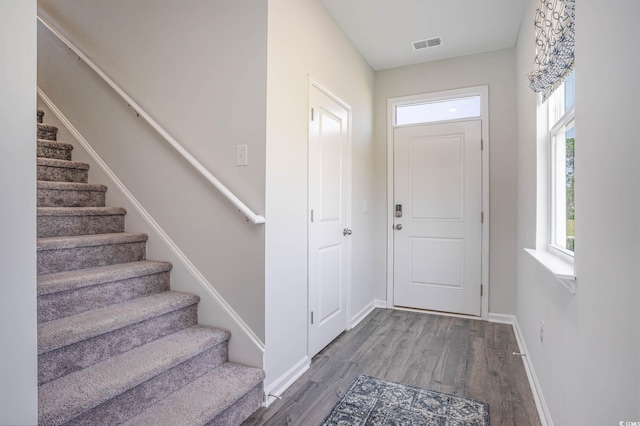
(438,237)
(329,241)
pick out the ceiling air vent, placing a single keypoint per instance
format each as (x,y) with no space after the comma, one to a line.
(423,44)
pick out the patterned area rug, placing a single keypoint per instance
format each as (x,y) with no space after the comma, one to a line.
(372,401)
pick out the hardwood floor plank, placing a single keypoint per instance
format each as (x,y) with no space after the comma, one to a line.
(459,356)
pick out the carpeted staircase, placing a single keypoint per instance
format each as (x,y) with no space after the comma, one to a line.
(115,345)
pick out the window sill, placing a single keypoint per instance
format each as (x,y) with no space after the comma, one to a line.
(560,268)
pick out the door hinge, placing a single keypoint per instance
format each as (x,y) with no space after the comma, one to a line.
(311,215)
(481,217)
(312,113)
(311,317)
(481,144)
(481,290)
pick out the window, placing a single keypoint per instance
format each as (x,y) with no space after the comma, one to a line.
(562,133)
(430,112)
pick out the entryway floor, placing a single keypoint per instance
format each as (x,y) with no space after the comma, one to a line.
(459,356)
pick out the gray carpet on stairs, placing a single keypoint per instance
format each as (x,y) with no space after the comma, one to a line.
(52,149)
(69,221)
(55,170)
(70,194)
(114,343)
(73,292)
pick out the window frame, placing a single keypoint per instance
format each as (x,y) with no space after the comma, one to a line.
(562,123)
(555,259)
(433,101)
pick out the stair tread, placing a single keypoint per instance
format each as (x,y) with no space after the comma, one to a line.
(203,399)
(80,211)
(62,399)
(69,280)
(67,164)
(74,241)
(46,126)
(75,328)
(71,186)
(56,144)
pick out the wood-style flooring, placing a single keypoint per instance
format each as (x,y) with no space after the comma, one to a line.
(459,356)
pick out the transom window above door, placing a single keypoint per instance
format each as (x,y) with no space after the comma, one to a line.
(435,111)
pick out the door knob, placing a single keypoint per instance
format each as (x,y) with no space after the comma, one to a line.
(399,226)
(346,231)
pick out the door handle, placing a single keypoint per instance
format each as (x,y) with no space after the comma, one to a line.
(346,231)
(399,226)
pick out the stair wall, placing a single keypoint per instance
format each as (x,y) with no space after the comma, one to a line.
(198,115)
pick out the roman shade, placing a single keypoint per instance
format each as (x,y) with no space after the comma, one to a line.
(555,45)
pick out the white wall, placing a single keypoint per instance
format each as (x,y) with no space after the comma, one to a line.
(588,365)
(18,356)
(304,41)
(497,70)
(199,68)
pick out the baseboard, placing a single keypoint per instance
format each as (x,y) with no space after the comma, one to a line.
(189,266)
(362,314)
(501,318)
(282,383)
(534,384)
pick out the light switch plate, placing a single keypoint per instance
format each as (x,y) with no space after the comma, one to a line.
(241,155)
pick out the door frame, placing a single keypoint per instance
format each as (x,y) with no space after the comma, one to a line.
(392,103)
(314,84)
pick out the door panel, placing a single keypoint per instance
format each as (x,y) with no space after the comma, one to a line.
(329,192)
(438,250)
(436,185)
(330,282)
(446,267)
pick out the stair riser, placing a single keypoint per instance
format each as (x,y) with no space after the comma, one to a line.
(242,409)
(77,356)
(49,133)
(64,226)
(46,151)
(71,302)
(67,198)
(62,174)
(68,259)
(133,401)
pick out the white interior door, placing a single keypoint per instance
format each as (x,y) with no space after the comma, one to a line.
(329,241)
(438,238)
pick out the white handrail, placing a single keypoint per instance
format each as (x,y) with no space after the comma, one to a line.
(246,211)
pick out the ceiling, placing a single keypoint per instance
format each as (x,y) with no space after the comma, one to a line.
(382,30)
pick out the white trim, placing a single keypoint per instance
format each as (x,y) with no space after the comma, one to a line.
(501,318)
(565,120)
(282,383)
(483,91)
(362,314)
(206,285)
(242,207)
(534,384)
(561,268)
